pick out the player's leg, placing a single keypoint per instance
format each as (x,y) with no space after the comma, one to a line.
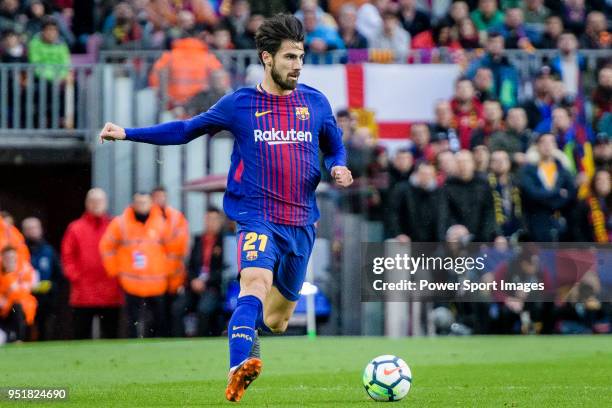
(255,284)
(289,278)
(277,311)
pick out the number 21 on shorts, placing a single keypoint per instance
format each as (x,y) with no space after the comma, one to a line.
(251,238)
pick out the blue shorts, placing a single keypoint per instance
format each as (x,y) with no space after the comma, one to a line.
(282,249)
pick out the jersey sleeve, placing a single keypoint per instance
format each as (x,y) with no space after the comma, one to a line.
(218,117)
(330,138)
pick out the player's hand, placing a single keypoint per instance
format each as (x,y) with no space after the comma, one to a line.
(113,132)
(342,176)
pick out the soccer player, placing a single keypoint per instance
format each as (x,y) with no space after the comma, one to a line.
(279,126)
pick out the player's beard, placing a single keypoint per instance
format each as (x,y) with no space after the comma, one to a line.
(284,84)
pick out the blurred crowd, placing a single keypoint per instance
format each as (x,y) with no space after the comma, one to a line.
(333,24)
(137,275)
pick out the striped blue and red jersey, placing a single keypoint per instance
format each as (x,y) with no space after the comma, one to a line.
(275,166)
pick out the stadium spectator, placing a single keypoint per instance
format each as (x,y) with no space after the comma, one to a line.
(186,70)
(443,133)
(553,29)
(401,166)
(493,124)
(548,192)
(594,219)
(539,108)
(483,84)
(457,13)
(176,243)
(467,111)
(413,20)
(133,250)
(206,267)
(17,305)
(414,206)
(318,37)
(185,28)
(535,13)
(487,15)
(505,75)
(582,311)
(571,137)
(515,139)
(92,292)
(446,164)
(48,50)
(347,28)
(596,34)
(507,204)
(121,30)
(441,35)
(238,19)
(392,37)
(421,147)
(13,49)
(524,312)
(602,96)
(164,13)
(569,64)
(247,39)
(602,152)
(46,263)
(221,39)
(468,35)
(37,12)
(482,157)
(574,13)
(467,200)
(379,182)
(369,18)
(516,34)
(312,6)
(10,16)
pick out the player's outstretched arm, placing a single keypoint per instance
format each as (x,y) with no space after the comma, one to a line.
(217,118)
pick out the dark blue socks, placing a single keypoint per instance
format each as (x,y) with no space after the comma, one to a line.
(241,328)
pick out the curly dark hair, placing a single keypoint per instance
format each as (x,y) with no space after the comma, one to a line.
(275,30)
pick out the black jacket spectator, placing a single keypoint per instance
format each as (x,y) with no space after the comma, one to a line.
(414,211)
(196,262)
(468,203)
(542,207)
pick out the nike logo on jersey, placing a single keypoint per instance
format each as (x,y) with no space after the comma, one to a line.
(389,372)
(259,114)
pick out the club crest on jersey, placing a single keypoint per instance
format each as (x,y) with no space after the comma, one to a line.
(251,255)
(301,112)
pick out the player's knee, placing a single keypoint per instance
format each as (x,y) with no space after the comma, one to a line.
(277,324)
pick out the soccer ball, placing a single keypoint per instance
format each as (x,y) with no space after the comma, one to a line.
(387,378)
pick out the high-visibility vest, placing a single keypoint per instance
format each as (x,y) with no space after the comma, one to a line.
(136,253)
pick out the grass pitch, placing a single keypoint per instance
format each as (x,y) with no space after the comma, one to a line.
(447,372)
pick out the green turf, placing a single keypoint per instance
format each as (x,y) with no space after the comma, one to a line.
(447,372)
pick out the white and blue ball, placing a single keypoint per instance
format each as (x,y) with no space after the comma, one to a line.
(387,378)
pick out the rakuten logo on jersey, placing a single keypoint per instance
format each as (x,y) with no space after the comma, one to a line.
(274,137)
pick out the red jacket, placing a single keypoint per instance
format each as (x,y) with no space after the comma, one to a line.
(90,286)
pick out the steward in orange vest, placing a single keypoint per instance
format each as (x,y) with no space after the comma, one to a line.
(17,304)
(133,249)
